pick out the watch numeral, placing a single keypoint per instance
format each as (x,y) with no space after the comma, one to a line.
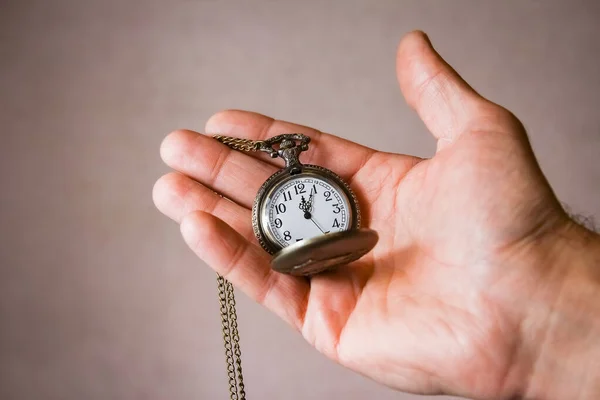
(280,208)
(327,195)
(287,236)
(287,196)
(337,208)
(336,224)
(314,189)
(299,188)
(278,223)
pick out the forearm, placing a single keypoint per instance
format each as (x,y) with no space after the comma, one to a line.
(566,331)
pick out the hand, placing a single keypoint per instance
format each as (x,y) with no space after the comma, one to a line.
(470,286)
(306,207)
(318,226)
(309,215)
(310,200)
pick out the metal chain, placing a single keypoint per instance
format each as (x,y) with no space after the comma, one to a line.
(239,143)
(231,339)
(235,337)
(263,145)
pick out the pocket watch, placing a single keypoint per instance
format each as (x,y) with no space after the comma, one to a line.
(305,215)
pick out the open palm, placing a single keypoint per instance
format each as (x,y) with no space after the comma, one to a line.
(429,310)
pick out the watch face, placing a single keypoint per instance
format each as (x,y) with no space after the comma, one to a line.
(304,206)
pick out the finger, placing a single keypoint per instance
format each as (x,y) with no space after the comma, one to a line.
(177,195)
(340,155)
(445,102)
(246,266)
(229,172)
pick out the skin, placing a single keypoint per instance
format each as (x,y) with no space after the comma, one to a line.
(480,285)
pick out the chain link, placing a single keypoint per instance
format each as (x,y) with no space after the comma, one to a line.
(239,143)
(264,145)
(237,354)
(231,339)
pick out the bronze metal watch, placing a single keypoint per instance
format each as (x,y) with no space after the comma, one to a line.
(305,215)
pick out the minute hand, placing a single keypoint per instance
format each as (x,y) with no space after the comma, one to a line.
(310,202)
(311,207)
(318,226)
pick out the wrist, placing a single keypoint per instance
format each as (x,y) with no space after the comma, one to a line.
(561,330)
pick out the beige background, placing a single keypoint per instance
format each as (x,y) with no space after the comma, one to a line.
(99,297)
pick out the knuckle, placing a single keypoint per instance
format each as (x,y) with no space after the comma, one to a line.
(219,164)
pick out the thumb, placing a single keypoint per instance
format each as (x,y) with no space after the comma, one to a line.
(445,102)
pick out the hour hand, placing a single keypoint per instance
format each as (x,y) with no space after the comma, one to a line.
(305,206)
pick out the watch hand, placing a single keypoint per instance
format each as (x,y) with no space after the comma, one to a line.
(307,214)
(306,207)
(315,222)
(318,226)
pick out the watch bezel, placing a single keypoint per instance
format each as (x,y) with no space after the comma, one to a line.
(259,224)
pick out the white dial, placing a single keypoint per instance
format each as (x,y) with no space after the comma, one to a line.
(304,207)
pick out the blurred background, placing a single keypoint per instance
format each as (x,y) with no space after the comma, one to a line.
(99,296)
